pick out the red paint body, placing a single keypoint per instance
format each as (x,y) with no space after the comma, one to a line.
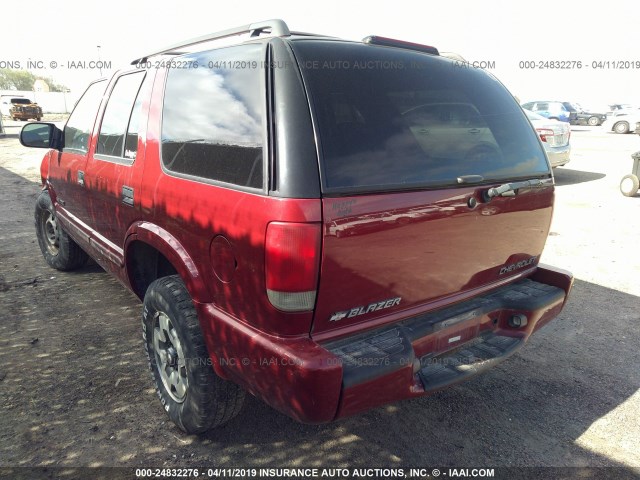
(428,249)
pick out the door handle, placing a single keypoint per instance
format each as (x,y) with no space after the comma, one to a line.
(127,195)
(474,130)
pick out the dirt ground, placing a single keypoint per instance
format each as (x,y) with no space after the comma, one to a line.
(75,389)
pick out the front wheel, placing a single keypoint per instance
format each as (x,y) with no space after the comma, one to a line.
(593,121)
(58,249)
(629,185)
(193,396)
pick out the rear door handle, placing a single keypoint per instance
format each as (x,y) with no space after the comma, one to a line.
(127,195)
(474,130)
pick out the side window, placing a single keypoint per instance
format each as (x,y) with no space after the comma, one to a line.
(77,131)
(542,106)
(212,118)
(119,129)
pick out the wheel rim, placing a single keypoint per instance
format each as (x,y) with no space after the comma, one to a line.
(170,359)
(50,232)
(621,127)
(593,121)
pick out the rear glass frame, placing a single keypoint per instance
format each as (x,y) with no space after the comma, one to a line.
(327,61)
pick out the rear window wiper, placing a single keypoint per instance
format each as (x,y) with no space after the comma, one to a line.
(511,189)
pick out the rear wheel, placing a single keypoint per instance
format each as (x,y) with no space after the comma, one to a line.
(58,249)
(593,121)
(621,127)
(193,396)
(629,185)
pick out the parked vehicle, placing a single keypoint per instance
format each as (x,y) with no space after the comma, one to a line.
(219,196)
(584,117)
(20,108)
(552,110)
(555,137)
(622,121)
(613,108)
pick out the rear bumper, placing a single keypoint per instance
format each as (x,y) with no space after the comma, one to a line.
(316,383)
(558,156)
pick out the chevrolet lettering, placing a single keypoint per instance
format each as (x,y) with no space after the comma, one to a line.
(518,265)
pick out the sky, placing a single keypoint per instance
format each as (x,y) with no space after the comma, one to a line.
(513,36)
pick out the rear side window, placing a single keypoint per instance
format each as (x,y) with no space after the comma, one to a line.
(394,119)
(212,119)
(78,129)
(119,129)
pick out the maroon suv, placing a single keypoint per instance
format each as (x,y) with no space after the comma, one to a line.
(327,224)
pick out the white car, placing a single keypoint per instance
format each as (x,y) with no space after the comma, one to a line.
(554,136)
(622,121)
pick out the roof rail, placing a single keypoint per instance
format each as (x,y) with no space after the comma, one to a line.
(275,27)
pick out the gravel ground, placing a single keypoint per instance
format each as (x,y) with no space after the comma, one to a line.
(75,390)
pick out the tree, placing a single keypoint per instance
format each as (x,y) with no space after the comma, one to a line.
(24,80)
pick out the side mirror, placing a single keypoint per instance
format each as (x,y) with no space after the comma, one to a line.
(41,135)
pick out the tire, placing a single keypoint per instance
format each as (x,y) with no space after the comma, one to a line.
(38,119)
(191,393)
(621,127)
(57,248)
(593,121)
(629,185)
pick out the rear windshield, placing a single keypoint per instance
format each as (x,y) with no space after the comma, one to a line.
(394,119)
(21,101)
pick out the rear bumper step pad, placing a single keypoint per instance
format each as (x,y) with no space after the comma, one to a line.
(378,353)
(488,351)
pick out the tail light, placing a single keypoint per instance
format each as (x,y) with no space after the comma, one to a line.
(292,265)
(544,133)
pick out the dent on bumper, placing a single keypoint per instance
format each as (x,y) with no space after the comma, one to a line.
(317,383)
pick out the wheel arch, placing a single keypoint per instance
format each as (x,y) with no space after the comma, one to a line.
(152,252)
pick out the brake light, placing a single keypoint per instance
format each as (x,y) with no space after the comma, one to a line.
(292,265)
(392,42)
(544,133)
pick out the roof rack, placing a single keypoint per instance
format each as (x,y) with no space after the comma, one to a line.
(275,27)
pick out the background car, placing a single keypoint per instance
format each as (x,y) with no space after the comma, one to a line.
(551,109)
(554,136)
(584,117)
(614,107)
(622,121)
